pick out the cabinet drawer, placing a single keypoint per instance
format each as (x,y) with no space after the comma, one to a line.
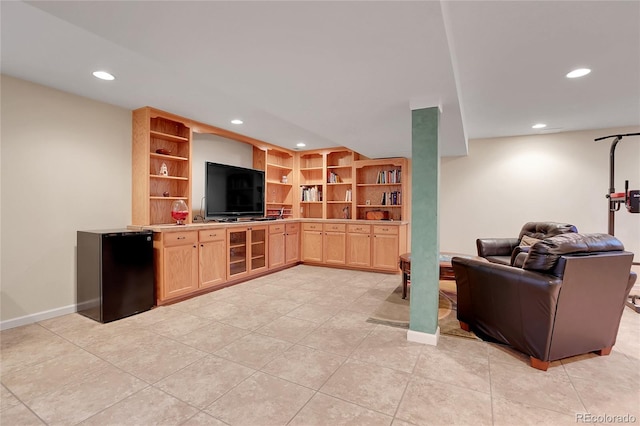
(170,239)
(293,228)
(312,227)
(335,227)
(384,229)
(359,229)
(276,229)
(212,235)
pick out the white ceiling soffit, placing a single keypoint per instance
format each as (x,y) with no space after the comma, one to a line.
(325,73)
(511,58)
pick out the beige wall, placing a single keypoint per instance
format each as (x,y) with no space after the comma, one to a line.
(562,177)
(66,166)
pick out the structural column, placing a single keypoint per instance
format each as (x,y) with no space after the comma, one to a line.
(425,178)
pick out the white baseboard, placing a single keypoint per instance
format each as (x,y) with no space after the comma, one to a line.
(424,338)
(40,316)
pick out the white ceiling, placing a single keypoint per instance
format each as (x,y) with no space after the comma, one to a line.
(341,73)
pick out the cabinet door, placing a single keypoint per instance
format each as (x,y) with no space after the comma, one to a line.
(359,250)
(237,252)
(180,274)
(335,248)
(213,269)
(292,247)
(276,249)
(258,250)
(312,246)
(385,251)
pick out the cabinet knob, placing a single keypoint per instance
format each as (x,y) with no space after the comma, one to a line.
(181,238)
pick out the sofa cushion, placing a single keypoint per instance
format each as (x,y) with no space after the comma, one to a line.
(543,256)
(528,241)
(541,230)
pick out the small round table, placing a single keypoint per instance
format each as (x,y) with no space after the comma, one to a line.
(446,269)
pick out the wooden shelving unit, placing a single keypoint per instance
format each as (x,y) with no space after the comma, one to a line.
(339,176)
(153,191)
(382,185)
(311,184)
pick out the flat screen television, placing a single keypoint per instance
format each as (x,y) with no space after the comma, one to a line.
(232,191)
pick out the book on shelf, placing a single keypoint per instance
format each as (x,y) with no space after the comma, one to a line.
(389,176)
(310,193)
(393,198)
(333,177)
(347,195)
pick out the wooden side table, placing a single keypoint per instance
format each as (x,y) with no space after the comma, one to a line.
(446,269)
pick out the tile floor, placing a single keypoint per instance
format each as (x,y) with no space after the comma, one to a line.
(295,348)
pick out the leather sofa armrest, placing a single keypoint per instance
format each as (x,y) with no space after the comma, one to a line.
(518,255)
(496,246)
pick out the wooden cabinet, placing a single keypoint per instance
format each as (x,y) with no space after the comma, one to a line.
(386,242)
(359,245)
(292,243)
(161,166)
(382,185)
(246,251)
(334,244)
(277,245)
(176,264)
(212,257)
(312,242)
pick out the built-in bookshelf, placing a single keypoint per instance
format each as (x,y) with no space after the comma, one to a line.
(161,166)
(279,182)
(311,184)
(339,172)
(381,187)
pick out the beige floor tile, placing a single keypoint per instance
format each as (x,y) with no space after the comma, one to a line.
(271,290)
(193,304)
(253,350)
(204,381)
(304,366)
(364,304)
(261,400)
(216,310)
(551,389)
(155,315)
(331,301)
(377,388)
(203,419)
(456,368)
(301,294)
(334,340)
(281,306)
(614,368)
(462,344)
(347,320)
(427,402)
(388,347)
(212,337)
(247,298)
(313,313)
(30,383)
(509,413)
(24,347)
(325,410)
(156,359)
(75,402)
(150,406)
(288,328)
(179,327)
(507,354)
(608,397)
(19,415)
(250,317)
(7,399)
(397,422)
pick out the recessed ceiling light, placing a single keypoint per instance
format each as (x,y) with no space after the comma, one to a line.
(580,72)
(539,126)
(103,75)
(301,144)
(236,121)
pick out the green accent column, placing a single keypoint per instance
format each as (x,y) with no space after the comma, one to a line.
(425,179)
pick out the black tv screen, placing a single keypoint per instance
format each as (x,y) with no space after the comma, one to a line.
(233,191)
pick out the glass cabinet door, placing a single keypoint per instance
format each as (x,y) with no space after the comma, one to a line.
(237,252)
(258,248)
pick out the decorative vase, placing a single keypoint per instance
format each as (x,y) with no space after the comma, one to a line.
(179,211)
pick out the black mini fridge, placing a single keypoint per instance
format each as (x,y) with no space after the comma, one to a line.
(114,273)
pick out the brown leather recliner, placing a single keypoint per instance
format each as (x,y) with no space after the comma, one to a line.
(501,250)
(566,300)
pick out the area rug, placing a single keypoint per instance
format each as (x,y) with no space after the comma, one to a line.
(394,311)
